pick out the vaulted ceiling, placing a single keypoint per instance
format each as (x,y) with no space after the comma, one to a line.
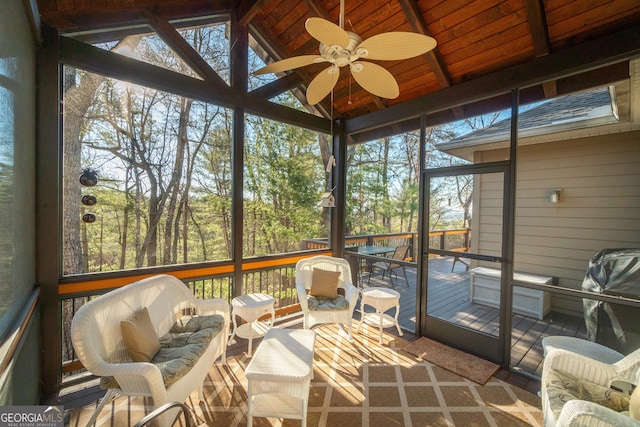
(548,47)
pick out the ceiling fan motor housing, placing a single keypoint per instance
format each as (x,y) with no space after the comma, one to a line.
(343,55)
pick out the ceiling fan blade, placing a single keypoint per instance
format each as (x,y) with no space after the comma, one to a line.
(326,32)
(375,79)
(397,45)
(288,64)
(322,84)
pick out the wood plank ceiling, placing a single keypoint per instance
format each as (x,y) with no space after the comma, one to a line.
(475,38)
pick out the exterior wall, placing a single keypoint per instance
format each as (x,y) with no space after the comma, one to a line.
(599,179)
(20,380)
(486,219)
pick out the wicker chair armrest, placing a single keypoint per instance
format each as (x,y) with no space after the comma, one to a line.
(351,294)
(135,377)
(301,290)
(213,306)
(585,413)
(582,367)
(629,367)
(581,346)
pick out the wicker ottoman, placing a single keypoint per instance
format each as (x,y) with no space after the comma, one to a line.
(279,375)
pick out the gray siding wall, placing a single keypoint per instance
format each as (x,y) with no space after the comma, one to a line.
(599,179)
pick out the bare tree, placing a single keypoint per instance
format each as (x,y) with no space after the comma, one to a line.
(79,91)
(464,194)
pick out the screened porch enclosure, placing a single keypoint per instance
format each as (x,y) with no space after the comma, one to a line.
(178,133)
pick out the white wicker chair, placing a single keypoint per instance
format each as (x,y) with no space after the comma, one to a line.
(581,346)
(304,270)
(98,343)
(581,412)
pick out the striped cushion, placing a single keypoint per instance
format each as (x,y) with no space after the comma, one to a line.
(323,303)
(562,387)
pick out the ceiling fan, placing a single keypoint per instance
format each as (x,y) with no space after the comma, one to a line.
(341,48)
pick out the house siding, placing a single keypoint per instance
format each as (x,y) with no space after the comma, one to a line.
(599,179)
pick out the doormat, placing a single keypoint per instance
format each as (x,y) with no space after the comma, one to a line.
(467,365)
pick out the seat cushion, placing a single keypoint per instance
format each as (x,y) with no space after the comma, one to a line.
(324,303)
(181,347)
(562,387)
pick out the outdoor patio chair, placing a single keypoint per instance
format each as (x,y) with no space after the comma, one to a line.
(394,242)
(325,291)
(400,254)
(578,390)
(462,261)
(581,346)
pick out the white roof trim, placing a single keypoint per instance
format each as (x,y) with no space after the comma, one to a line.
(599,116)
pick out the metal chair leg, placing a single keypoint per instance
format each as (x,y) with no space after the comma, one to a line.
(405,275)
(158,412)
(108,397)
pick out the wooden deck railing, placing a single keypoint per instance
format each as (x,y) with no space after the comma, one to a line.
(386,239)
(451,240)
(274,276)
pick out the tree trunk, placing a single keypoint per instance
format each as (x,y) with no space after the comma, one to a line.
(325,150)
(78,98)
(173,188)
(386,217)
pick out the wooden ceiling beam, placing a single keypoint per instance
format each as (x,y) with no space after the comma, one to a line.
(179,45)
(540,34)
(316,8)
(434,58)
(96,60)
(276,87)
(238,55)
(550,89)
(417,22)
(248,9)
(590,55)
(538,26)
(277,51)
(81,19)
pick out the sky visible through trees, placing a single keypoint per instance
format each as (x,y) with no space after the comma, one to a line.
(165,171)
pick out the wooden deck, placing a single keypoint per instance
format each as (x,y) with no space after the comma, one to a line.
(449,300)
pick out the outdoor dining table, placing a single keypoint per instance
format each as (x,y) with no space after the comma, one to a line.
(375,250)
(371,250)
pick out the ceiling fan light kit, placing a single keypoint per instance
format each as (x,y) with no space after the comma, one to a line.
(341,48)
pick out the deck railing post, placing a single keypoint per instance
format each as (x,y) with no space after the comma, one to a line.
(466,239)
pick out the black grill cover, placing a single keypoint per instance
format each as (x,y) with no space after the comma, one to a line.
(613,272)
